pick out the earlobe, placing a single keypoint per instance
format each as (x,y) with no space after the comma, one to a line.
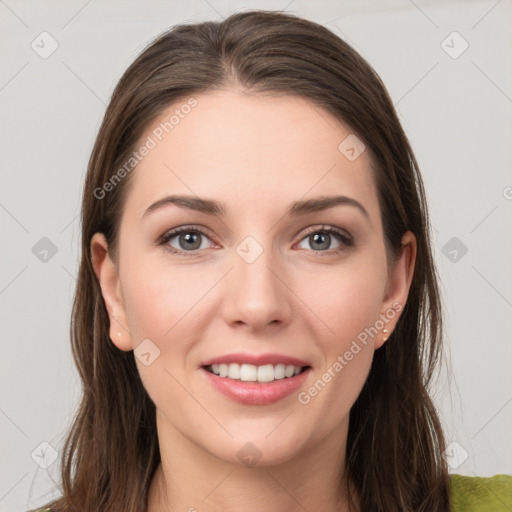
(108,278)
(399,283)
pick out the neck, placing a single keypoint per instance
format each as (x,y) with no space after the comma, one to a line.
(191,479)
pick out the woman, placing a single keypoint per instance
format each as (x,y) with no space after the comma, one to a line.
(257,316)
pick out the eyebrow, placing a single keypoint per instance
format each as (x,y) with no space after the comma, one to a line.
(296,209)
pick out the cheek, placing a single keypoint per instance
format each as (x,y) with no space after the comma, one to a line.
(346,300)
(162,304)
(349,307)
(158,298)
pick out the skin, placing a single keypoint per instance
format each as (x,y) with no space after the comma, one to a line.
(257,154)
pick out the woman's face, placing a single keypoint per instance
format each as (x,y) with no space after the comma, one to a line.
(271,279)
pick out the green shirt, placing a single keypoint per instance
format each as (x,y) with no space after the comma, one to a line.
(475,493)
(481,494)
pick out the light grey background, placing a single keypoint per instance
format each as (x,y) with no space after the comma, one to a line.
(456,111)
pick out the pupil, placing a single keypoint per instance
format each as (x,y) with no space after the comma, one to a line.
(191,238)
(325,237)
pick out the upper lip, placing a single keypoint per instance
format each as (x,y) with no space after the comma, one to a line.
(256,360)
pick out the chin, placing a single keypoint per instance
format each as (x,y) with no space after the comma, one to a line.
(259,447)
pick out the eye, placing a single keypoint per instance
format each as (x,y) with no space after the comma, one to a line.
(320,239)
(189,240)
(184,240)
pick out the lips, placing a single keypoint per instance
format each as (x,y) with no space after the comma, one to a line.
(256,360)
(256,379)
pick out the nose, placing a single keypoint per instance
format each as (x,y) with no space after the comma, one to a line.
(256,294)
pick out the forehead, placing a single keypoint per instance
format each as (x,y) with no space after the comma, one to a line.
(245,149)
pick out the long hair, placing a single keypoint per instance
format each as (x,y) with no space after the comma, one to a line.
(395,439)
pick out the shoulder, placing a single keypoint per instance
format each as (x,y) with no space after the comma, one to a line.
(481,494)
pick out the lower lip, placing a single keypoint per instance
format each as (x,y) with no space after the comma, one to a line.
(256,393)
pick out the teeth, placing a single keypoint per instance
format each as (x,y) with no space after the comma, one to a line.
(248,373)
(251,373)
(223,370)
(288,371)
(234,371)
(279,371)
(266,373)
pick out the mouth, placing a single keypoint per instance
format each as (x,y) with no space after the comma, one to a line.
(251,373)
(251,379)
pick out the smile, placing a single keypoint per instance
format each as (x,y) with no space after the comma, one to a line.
(252,373)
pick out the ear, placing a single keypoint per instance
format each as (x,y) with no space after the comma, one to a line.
(399,283)
(107,273)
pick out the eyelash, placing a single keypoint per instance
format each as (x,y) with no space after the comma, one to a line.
(342,237)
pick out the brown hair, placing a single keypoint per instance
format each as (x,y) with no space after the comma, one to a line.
(395,440)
